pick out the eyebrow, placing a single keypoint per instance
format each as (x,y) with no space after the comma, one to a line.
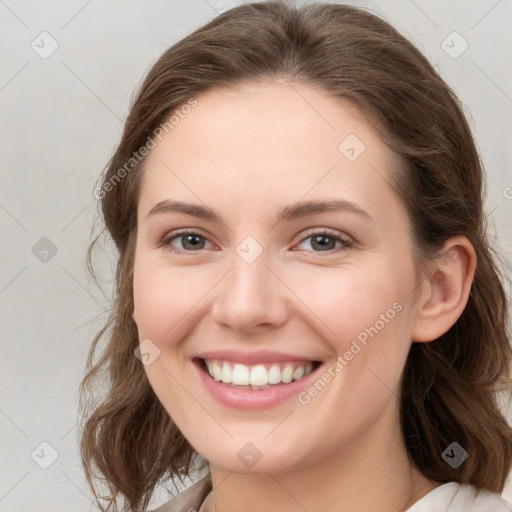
(294,211)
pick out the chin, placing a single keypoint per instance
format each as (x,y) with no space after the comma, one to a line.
(251,458)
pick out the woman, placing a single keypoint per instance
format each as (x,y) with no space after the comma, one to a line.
(304,279)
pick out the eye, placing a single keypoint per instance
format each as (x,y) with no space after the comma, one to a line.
(190,241)
(325,241)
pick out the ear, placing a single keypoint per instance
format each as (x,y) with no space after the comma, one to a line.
(445,291)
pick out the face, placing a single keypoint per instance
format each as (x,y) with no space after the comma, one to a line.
(256,283)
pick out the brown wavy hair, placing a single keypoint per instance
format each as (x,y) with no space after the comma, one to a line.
(449,385)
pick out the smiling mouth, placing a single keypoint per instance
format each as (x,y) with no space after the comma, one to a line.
(258,376)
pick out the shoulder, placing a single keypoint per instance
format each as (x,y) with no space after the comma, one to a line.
(190,499)
(454,497)
(469,499)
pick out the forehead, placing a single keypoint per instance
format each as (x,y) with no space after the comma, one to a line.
(244,142)
(274,116)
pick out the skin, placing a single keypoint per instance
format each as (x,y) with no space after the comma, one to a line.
(246,153)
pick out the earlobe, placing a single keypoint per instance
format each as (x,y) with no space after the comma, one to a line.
(445,291)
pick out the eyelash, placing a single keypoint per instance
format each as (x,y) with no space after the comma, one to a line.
(346,243)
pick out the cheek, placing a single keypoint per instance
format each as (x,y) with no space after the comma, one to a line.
(166,299)
(150,299)
(368,314)
(375,338)
(352,302)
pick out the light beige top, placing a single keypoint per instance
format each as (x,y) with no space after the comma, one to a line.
(190,500)
(450,497)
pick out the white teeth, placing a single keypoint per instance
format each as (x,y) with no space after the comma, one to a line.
(217,371)
(274,374)
(287,375)
(227,374)
(298,373)
(259,376)
(240,375)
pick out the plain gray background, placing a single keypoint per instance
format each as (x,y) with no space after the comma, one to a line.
(62,115)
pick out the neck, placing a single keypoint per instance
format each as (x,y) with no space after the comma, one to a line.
(372,473)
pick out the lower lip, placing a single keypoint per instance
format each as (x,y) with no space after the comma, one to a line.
(253,399)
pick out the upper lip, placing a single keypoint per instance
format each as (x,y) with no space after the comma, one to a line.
(262,356)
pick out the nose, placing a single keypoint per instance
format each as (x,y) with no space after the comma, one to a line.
(251,297)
